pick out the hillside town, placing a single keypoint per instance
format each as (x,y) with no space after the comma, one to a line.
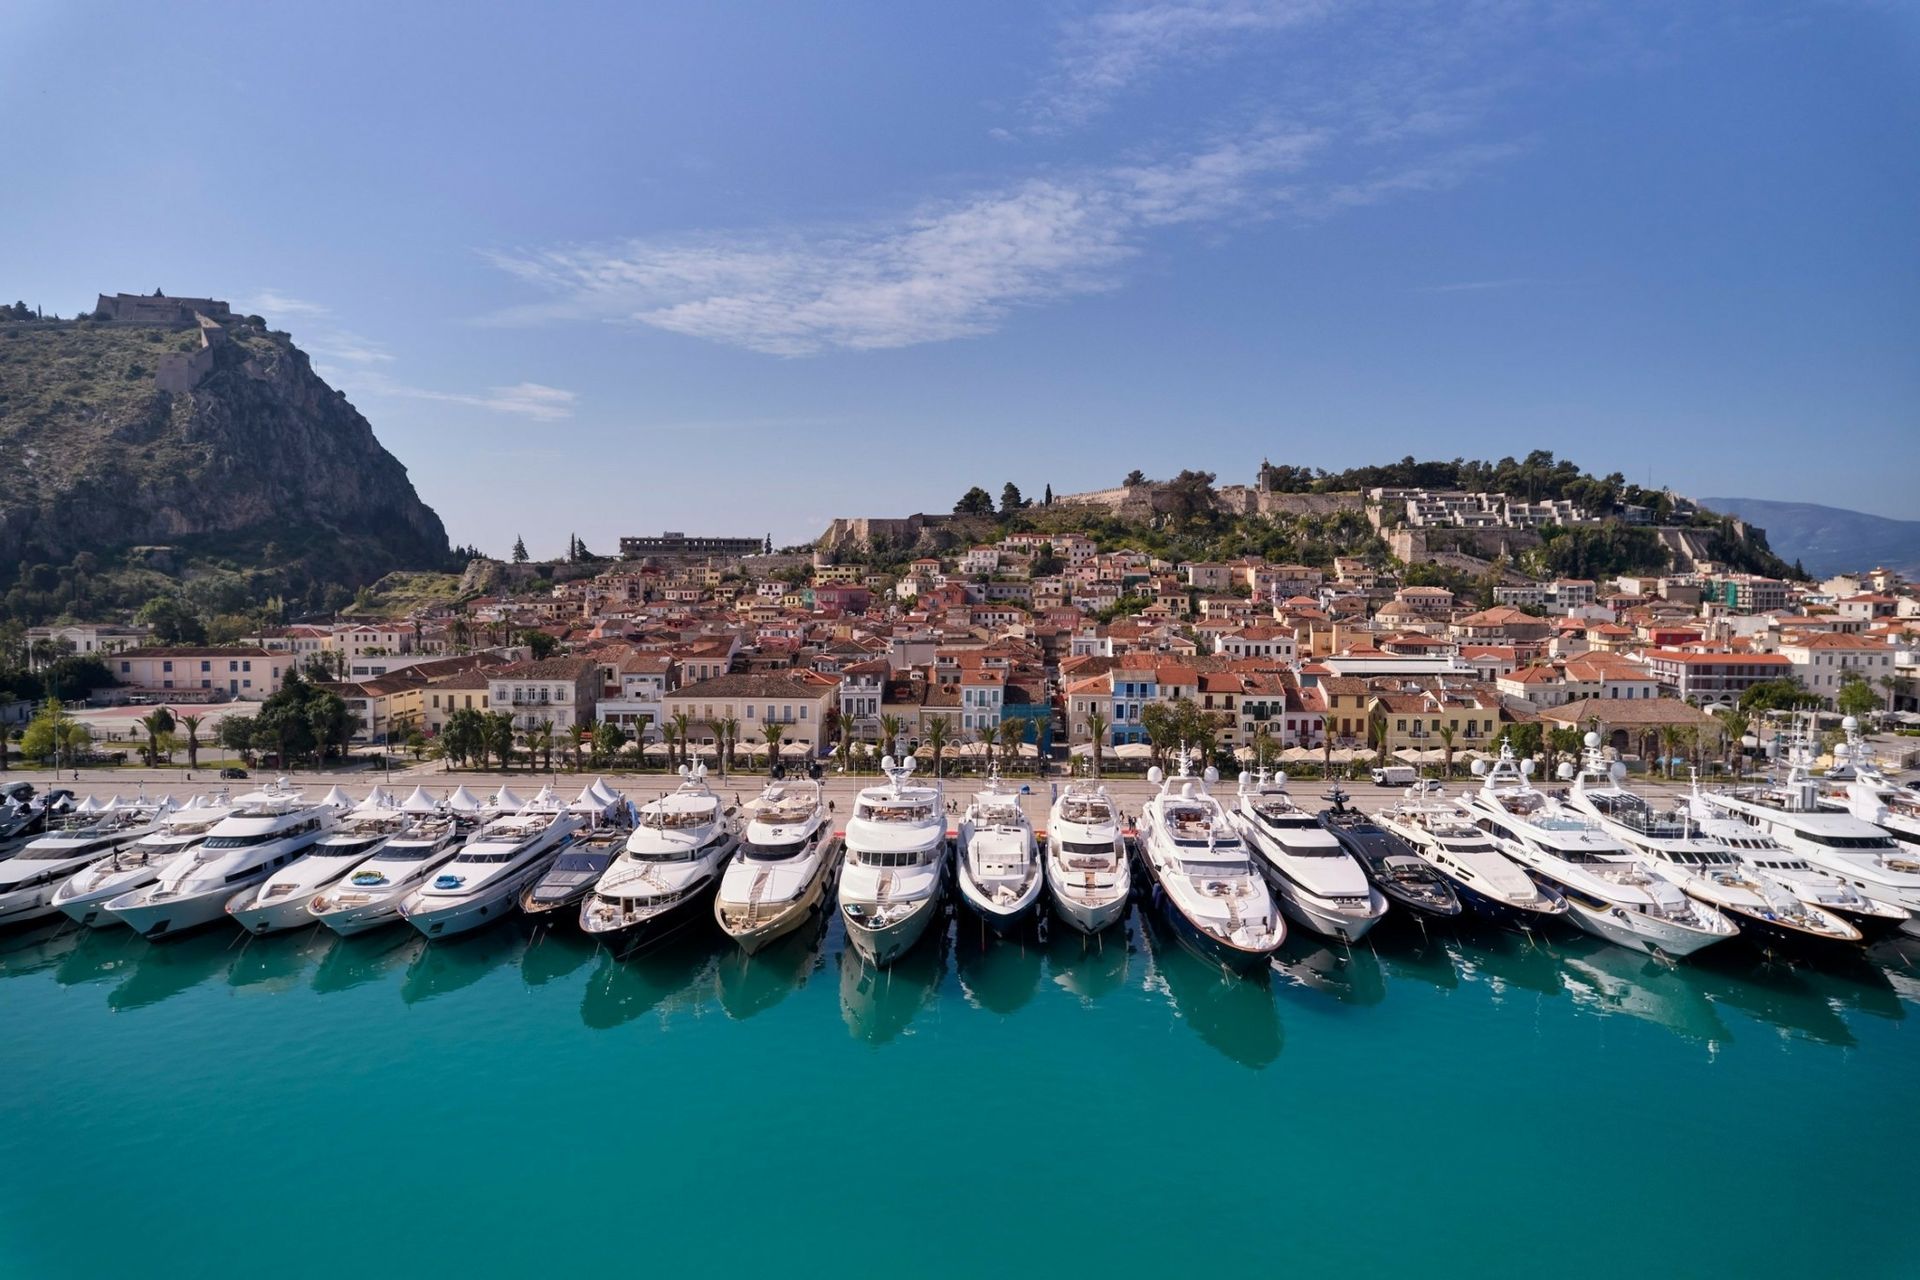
(1049,645)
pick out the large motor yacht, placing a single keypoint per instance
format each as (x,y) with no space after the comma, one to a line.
(782,874)
(266,830)
(281,901)
(369,896)
(30,878)
(998,859)
(671,865)
(478,885)
(1765,857)
(1489,883)
(84,895)
(1671,843)
(1204,881)
(1320,886)
(1852,848)
(556,896)
(1089,878)
(1401,875)
(1612,893)
(1872,796)
(893,877)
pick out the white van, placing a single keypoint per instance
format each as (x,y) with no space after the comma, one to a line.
(1396,775)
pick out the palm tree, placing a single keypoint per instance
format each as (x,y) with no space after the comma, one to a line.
(1042,724)
(846,741)
(1262,744)
(891,727)
(1446,735)
(1013,732)
(988,735)
(935,730)
(671,737)
(1890,685)
(1097,737)
(540,743)
(156,722)
(1669,743)
(192,725)
(771,732)
(683,732)
(1734,724)
(727,730)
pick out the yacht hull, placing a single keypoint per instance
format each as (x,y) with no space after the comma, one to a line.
(1874,926)
(488,906)
(347,921)
(1003,919)
(1778,937)
(90,908)
(288,913)
(1507,915)
(1205,945)
(754,932)
(1637,930)
(881,947)
(1088,917)
(668,921)
(170,917)
(1316,915)
(26,905)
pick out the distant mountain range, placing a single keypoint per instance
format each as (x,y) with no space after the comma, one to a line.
(1829,540)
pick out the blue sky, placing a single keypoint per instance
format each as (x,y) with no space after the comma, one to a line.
(743,267)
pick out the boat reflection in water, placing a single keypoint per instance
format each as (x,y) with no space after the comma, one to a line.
(1351,975)
(1089,967)
(164,971)
(879,1005)
(671,979)
(1237,1017)
(274,962)
(460,961)
(360,958)
(40,946)
(99,955)
(997,975)
(1431,959)
(554,953)
(1613,980)
(1509,963)
(751,984)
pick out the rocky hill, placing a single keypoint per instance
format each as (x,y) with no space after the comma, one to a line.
(214,439)
(1830,539)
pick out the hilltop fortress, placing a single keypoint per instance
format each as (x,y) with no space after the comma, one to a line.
(177,372)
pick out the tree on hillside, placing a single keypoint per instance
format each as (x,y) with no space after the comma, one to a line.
(1134,477)
(1190,496)
(539,643)
(1010,499)
(172,621)
(519,549)
(974,502)
(1048,499)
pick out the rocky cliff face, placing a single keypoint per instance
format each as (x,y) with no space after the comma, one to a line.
(255,460)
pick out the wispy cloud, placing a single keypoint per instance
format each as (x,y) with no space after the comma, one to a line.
(273,305)
(531,400)
(944,271)
(1104,54)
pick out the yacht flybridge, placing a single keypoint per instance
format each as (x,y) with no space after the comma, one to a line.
(1318,883)
(670,866)
(1613,895)
(1671,843)
(266,830)
(1204,881)
(999,860)
(894,873)
(31,877)
(1489,883)
(1852,848)
(84,895)
(1088,876)
(782,873)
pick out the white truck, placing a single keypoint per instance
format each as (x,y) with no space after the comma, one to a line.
(1396,775)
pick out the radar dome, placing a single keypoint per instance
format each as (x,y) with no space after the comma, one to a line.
(1156,775)
(1245,777)
(1850,724)
(1526,767)
(886,762)
(1619,770)
(685,770)
(1479,768)
(1592,739)
(1565,771)
(1211,776)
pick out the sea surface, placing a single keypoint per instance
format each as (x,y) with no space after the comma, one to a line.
(517,1104)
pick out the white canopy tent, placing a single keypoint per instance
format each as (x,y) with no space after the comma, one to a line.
(463,801)
(338,799)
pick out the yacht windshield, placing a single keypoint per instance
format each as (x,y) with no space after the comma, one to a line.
(241,842)
(346,848)
(758,851)
(1087,847)
(889,858)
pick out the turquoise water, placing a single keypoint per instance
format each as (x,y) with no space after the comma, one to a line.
(504,1105)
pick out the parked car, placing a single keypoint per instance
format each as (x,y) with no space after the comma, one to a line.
(232,771)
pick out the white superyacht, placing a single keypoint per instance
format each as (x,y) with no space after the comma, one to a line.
(1204,879)
(998,859)
(894,873)
(84,895)
(671,863)
(1088,875)
(1320,885)
(782,873)
(478,885)
(280,901)
(31,877)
